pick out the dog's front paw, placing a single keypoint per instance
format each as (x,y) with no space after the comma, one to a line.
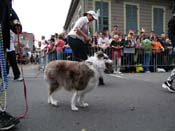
(53,102)
(74,108)
(84,105)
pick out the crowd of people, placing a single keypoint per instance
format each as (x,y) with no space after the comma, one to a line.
(76,43)
(130,49)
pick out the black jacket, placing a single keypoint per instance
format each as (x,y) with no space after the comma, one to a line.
(171,30)
(8,20)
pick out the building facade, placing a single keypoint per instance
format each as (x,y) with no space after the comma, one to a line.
(152,15)
(26,42)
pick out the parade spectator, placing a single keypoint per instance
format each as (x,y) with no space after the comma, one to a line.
(114,31)
(139,51)
(108,35)
(11,59)
(142,35)
(67,52)
(138,42)
(168,53)
(129,51)
(163,39)
(157,46)
(94,40)
(131,33)
(157,50)
(43,52)
(51,50)
(117,46)
(146,44)
(44,42)
(59,46)
(56,38)
(151,36)
(78,37)
(103,41)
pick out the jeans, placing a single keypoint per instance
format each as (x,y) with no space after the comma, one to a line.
(146,64)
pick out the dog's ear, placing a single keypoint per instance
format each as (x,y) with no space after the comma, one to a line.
(99,54)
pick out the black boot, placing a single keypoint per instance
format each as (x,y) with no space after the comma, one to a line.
(101,82)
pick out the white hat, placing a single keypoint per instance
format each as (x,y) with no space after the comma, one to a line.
(91,12)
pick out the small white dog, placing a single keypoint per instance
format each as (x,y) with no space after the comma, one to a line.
(79,77)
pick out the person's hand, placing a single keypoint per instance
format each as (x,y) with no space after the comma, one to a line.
(163,49)
(173,49)
(18,28)
(88,39)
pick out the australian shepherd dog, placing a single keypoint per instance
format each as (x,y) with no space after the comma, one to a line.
(78,77)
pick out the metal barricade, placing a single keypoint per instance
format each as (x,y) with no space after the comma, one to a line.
(130,58)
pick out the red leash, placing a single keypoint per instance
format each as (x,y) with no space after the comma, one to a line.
(24,83)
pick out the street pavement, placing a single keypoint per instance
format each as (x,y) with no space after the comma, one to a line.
(127,102)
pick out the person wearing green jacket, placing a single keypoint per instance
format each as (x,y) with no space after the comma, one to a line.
(146,45)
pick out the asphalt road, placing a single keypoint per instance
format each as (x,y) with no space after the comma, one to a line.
(128,102)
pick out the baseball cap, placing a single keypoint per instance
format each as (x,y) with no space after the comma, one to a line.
(91,12)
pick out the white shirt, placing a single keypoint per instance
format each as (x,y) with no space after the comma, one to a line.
(103,41)
(83,24)
(43,44)
(12,42)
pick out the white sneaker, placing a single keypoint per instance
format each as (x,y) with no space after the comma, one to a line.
(19,79)
(168,86)
(118,72)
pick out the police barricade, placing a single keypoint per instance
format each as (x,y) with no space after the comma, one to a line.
(127,59)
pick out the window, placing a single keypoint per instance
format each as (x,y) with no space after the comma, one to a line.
(102,8)
(158,20)
(131,17)
(80,12)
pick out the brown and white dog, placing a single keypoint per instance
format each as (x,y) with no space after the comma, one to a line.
(79,77)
